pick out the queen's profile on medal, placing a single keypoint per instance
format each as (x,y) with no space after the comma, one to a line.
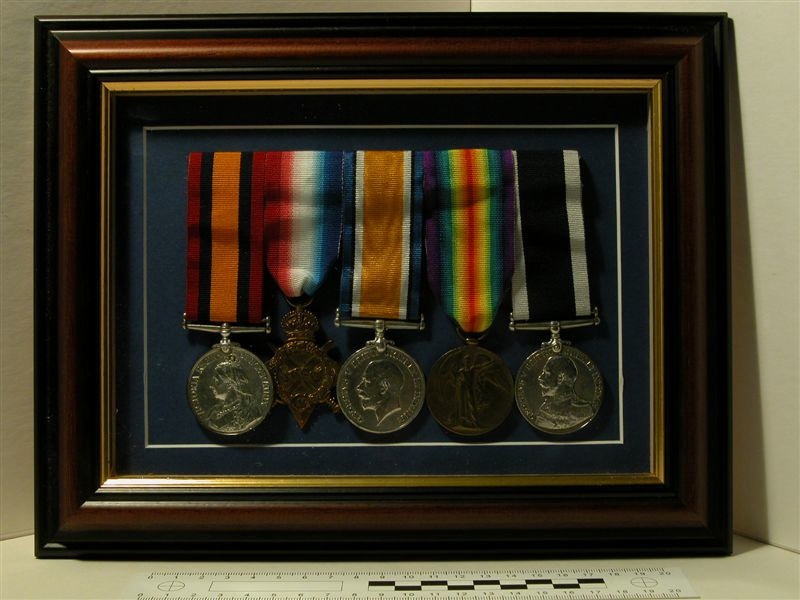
(230,390)
(235,407)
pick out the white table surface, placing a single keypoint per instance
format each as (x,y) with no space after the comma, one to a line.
(754,571)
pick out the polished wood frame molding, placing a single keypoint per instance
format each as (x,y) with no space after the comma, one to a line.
(685,510)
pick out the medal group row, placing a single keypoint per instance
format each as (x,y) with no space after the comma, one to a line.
(481,217)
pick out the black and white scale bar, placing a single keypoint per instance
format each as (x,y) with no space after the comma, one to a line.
(488,584)
(626,583)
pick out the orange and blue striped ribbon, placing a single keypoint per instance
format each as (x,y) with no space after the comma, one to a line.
(302,217)
(381,237)
(470,195)
(224,271)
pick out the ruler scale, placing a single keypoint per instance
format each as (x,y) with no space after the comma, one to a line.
(494,584)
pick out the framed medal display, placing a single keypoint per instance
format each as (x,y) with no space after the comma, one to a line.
(413,285)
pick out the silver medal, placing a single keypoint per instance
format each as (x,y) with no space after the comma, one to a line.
(380,390)
(230,390)
(558,388)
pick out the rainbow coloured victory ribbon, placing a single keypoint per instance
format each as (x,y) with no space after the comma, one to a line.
(470,198)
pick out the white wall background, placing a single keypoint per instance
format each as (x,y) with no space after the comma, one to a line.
(765,136)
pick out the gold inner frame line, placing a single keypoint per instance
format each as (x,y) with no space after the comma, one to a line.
(430,86)
(109,90)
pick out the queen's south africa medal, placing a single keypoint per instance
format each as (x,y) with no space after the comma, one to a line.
(230,390)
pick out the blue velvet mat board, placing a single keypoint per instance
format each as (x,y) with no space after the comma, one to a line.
(155,430)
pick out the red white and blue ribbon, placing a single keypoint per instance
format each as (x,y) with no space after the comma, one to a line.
(302,218)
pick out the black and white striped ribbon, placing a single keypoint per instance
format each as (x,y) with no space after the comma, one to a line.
(551,278)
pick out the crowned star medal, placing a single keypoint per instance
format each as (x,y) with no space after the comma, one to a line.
(302,217)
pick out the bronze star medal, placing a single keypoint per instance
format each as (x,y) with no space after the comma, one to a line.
(303,372)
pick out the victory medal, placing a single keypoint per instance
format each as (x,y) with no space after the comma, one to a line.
(470,258)
(470,390)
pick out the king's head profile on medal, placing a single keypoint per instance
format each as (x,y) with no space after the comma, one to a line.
(563,406)
(380,389)
(558,388)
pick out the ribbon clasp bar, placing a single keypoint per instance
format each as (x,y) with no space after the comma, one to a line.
(226,329)
(593,319)
(380,326)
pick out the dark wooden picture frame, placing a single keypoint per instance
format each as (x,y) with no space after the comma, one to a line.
(84,510)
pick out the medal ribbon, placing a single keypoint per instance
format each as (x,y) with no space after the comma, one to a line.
(469,231)
(381,237)
(225,237)
(302,217)
(551,278)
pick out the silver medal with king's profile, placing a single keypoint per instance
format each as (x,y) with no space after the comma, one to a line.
(559,389)
(380,389)
(230,390)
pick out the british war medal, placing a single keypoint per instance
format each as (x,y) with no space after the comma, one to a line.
(380,388)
